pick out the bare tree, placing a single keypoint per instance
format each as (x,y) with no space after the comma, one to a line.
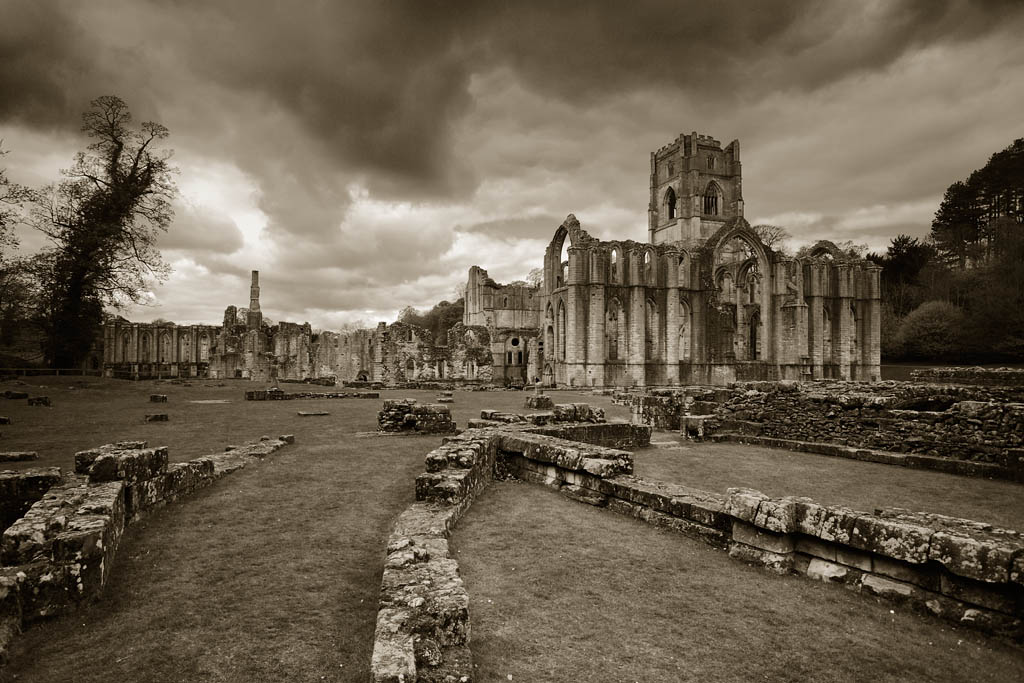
(774,237)
(103,221)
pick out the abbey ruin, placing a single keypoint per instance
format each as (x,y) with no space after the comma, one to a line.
(704,301)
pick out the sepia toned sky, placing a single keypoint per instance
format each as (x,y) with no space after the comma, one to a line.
(362,155)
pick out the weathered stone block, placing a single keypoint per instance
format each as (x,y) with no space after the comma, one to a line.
(584,495)
(853,558)
(893,538)
(981,559)
(158,398)
(158,417)
(815,547)
(39,401)
(823,570)
(780,563)
(994,597)
(744,503)
(758,538)
(888,588)
(924,576)
(130,466)
(4,420)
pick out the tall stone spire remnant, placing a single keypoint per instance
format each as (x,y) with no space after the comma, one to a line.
(254,319)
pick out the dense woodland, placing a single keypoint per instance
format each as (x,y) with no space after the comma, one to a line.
(958,295)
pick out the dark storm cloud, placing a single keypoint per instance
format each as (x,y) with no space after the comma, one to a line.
(378,85)
(201,230)
(514,109)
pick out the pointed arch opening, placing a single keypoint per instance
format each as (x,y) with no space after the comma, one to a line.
(670,204)
(713,199)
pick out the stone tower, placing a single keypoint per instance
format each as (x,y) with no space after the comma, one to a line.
(696,186)
(254,319)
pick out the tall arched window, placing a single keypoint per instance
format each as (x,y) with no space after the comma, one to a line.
(670,204)
(126,347)
(560,331)
(145,348)
(712,199)
(684,272)
(615,265)
(754,337)
(648,268)
(684,330)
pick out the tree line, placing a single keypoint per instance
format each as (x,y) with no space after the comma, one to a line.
(958,295)
(101,221)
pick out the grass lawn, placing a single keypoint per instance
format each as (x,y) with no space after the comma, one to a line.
(561,591)
(860,485)
(271,574)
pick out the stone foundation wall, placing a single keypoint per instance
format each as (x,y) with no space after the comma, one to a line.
(20,490)
(977,424)
(423,627)
(404,415)
(971,375)
(952,422)
(59,554)
(960,570)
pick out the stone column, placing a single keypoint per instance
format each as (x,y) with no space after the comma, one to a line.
(871,341)
(596,352)
(637,322)
(815,320)
(672,319)
(845,321)
(575,319)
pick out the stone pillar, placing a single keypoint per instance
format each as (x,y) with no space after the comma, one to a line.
(815,320)
(845,321)
(672,319)
(637,322)
(576,319)
(871,342)
(596,352)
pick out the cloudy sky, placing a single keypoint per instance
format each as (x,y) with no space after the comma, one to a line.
(362,155)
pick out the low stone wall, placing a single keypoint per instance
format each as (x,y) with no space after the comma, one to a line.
(971,375)
(423,627)
(405,415)
(957,569)
(20,490)
(960,570)
(1013,469)
(278,395)
(59,554)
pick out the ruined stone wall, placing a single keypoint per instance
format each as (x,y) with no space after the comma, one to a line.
(959,570)
(292,351)
(469,353)
(964,423)
(347,356)
(60,553)
(971,375)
